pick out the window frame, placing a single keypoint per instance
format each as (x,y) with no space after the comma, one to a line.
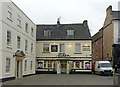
(47,32)
(32,32)
(9,13)
(18,42)
(26,27)
(55,49)
(26,45)
(25,65)
(9,37)
(77,47)
(31,65)
(46,48)
(8,65)
(62,48)
(49,64)
(19,21)
(77,64)
(70,32)
(32,47)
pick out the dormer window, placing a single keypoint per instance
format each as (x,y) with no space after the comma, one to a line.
(70,32)
(47,32)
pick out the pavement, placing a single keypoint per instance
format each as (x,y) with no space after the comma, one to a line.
(62,79)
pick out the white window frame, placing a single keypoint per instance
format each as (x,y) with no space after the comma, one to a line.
(26,45)
(25,65)
(32,32)
(78,48)
(32,47)
(26,27)
(8,38)
(31,65)
(70,32)
(62,48)
(46,46)
(77,64)
(19,21)
(18,42)
(8,65)
(9,13)
(47,32)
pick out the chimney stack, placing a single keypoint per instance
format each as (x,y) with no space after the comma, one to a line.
(58,21)
(85,23)
(109,9)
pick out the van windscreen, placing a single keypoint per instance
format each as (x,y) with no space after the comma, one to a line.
(105,65)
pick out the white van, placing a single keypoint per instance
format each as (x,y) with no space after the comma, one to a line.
(103,67)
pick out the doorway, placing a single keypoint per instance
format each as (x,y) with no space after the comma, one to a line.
(18,69)
(63,67)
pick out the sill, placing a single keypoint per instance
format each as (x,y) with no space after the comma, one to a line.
(9,47)
(7,73)
(10,19)
(77,53)
(45,52)
(26,52)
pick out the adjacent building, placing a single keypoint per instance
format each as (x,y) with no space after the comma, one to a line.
(18,41)
(64,47)
(97,45)
(107,36)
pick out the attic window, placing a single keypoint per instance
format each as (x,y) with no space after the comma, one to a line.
(70,32)
(47,32)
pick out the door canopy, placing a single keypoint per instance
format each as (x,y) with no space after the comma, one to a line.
(19,53)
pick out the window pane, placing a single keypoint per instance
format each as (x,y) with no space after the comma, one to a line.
(25,68)
(54,48)
(32,32)
(77,63)
(78,48)
(9,13)
(9,38)
(18,42)
(26,27)
(45,47)
(49,64)
(31,47)
(47,32)
(62,48)
(7,64)
(70,32)
(19,21)
(26,44)
(31,65)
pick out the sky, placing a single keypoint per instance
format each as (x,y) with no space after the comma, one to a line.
(70,11)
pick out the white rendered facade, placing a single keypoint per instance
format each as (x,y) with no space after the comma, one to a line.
(13,25)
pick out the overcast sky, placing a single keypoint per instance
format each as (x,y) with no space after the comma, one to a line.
(71,11)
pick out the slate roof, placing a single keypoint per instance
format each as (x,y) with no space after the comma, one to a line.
(59,32)
(116,15)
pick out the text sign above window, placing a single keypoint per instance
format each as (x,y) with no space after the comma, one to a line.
(86,48)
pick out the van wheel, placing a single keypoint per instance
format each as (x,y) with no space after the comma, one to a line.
(100,73)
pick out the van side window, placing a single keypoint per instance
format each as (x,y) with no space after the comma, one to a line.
(98,65)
